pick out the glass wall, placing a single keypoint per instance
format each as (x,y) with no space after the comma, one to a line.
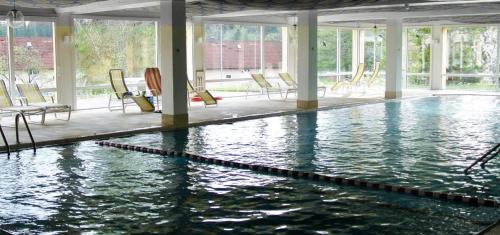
(273,50)
(34,55)
(4,54)
(212,51)
(346,51)
(472,58)
(111,44)
(418,54)
(334,54)
(374,48)
(234,51)
(327,53)
(240,51)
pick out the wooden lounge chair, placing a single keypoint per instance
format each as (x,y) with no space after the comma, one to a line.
(292,85)
(264,85)
(353,82)
(32,96)
(205,96)
(7,106)
(153,82)
(122,93)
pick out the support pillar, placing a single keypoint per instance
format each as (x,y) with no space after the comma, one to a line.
(307,76)
(394,68)
(64,60)
(173,63)
(438,66)
(355,51)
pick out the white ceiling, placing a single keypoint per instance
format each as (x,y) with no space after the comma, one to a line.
(275,11)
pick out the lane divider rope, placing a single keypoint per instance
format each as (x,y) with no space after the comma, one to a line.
(472,201)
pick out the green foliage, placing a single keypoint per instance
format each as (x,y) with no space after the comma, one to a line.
(234,32)
(418,50)
(105,44)
(327,49)
(472,49)
(29,61)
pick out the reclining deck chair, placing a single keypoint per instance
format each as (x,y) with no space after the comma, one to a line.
(292,85)
(153,82)
(123,94)
(353,82)
(7,106)
(264,85)
(32,96)
(205,96)
(369,81)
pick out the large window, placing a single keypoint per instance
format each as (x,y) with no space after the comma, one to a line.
(334,54)
(34,55)
(4,56)
(273,50)
(240,50)
(212,51)
(107,44)
(232,52)
(418,49)
(327,51)
(346,50)
(374,48)
(472,53)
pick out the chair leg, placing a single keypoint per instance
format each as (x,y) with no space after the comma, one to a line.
(248,88)
(157,102)
(267,91)
(109,103)
(286,94)
(69,113)
(43,117)
(123,105)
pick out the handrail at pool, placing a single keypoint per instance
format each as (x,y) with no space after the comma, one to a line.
(5,140)
(33,144)
(490,154)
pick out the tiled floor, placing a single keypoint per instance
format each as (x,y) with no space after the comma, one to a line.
(88,124)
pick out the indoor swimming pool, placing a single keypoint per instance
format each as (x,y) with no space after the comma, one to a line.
(424,143)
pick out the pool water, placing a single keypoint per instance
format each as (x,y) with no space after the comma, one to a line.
(423,143)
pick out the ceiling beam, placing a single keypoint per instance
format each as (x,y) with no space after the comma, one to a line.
(366,16)
(110,5)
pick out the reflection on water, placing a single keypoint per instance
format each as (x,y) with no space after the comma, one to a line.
(425,142)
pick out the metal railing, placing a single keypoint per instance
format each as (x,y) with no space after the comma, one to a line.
(490,154)
(33,144)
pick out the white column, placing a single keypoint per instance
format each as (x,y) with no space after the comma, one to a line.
(355,51)
(64,60)
(172,62)
(307,30)
(393,82)
(361,48)
(438,66)
(284,49)
(198,51)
